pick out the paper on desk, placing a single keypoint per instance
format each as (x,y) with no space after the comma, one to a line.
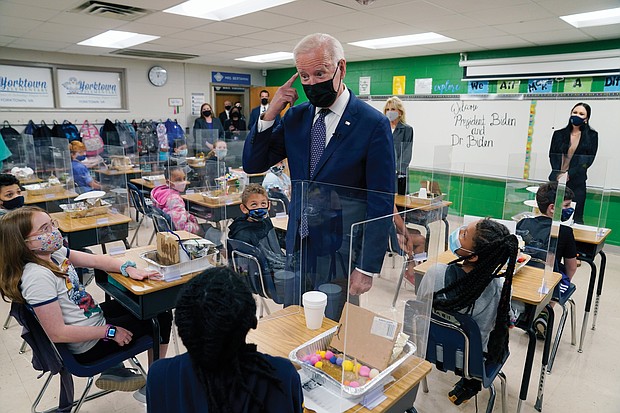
(321,400)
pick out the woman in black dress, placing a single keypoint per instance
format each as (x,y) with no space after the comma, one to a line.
(572,151)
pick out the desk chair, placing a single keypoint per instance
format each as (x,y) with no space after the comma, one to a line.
(161,221)
(454,344)
(57,359)
(250,262)
(561,297)
(139,202)
(393,250)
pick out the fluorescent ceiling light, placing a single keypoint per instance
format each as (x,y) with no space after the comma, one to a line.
(400,41)
(117,39)
(266,58)
(224,10)
(593,18)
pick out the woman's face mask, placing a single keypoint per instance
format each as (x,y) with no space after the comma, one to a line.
(392,115)
(206,113)
(221,153)
(47,241)
(182,152)
(577,120)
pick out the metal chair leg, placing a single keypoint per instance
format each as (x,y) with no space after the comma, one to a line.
(573,322)
(502,378)
(136,364)
(491,399)
(558,337)
(400,282)
(152,235)
(36,402)
(23,347)
(135,234)
(425,385)
(7,322)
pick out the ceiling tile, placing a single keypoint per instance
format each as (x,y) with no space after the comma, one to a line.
(152,29)
(264,20)
(611,31)
(509,14)
(314,10)
(493,42)
(534,26)
(563,7)
(11,9)
(474,33)
(460,6)
(556,36)
(172,20)
(48,4)
(302,29)
(82,20)
(5,40)
(38,44)
(355,21)
(197,35)
(229,29)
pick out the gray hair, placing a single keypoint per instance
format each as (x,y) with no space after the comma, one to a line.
(329,44)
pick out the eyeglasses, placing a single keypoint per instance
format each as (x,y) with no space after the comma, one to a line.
(47,228)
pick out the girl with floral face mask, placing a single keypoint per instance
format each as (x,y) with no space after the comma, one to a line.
(37,270)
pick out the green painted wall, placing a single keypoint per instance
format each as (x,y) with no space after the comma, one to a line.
(483,196)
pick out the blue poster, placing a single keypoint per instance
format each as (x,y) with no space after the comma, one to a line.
(478,86)
(540,86)
(612,84)
(231,78)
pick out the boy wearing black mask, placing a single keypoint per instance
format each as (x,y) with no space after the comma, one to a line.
(255,228)
(10,193)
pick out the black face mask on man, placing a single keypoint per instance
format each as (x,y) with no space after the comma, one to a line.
(323,95)
(264,101)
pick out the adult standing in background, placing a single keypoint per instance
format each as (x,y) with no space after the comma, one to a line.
(328,140)
(225,114)
(207,128)
(572,151)
(262,108)
(402,133)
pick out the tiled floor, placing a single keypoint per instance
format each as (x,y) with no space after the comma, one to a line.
(586,382)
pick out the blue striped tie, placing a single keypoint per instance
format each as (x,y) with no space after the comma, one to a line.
(318,135)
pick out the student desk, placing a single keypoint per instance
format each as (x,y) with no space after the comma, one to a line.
(42,201)
(590,243)
(212,209)
(284,330)
(144,299)
(525,285)
(142,183)
(32,180)
(280,223)
(99,229)
(115,172)
(424,214)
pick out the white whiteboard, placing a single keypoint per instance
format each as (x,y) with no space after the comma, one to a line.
(489,137)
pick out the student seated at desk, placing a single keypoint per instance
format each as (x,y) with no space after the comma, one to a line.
(81,175)
(215,166)
(470,284)
(37,270)
(255,227)
(536,233)
(167,197)
(10,193)
(220,371)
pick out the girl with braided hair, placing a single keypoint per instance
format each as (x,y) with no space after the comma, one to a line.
(471,284)
(221,373)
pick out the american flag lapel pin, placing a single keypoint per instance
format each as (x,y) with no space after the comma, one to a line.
(346,122)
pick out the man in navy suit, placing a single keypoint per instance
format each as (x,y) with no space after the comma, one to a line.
(348,179)
(264,105)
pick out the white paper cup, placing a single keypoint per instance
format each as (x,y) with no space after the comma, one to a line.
(422,193)
(314,303)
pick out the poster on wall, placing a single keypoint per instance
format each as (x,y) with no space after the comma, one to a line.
(89,89)
(398,85)
(26,87)
(364,85)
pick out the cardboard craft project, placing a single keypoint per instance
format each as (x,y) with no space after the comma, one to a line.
(370,338)
(167,248)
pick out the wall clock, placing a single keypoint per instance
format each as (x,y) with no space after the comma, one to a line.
(158,76)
